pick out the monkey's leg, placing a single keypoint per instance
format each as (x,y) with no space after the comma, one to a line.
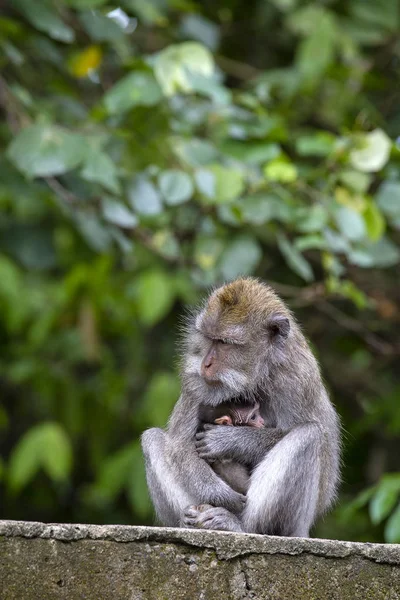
(284,488)
(168,496)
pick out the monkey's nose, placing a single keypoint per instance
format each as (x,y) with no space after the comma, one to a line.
(207,369)
(208,361)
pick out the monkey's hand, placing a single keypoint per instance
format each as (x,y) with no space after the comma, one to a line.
(215,442)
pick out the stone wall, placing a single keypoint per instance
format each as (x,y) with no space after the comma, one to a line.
(92,562)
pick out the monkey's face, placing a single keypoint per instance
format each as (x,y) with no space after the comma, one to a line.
(233,340)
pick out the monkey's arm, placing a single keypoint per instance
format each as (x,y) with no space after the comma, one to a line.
(193,473)
(247,445)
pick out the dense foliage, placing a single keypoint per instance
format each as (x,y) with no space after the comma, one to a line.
(154,148)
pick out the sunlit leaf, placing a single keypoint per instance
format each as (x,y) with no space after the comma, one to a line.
(84,62)
(372,151)
(374,221)
(173,64)
(280,169)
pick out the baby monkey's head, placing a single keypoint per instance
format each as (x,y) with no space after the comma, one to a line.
(242,414)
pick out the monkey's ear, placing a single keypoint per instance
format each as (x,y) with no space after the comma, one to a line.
(278,326)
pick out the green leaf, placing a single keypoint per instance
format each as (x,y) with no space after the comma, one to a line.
(135,89)
(240,257)
(166,243)
(294,259)
(199,28)
(117,213)
(206,183)
(176,186)
(385,498)
(45,18)
(374,221)
(144,197)
(208,86)
(195,152)
(207,251)
(258,209)
(46,150)
(161,394)
(56,451)
(155,296)
(228,183)
(100,27)
(310,242)
(280,169)
(100,168)
(173,64)
(392,529)
(44,446)
(320,144)
(311,218)
(251,152)
(85,4)
(355,180)
(383,253)
(317,51)
(115,471)
(372,151)
(96,235)
(137,491)
(388,200)
(350,223)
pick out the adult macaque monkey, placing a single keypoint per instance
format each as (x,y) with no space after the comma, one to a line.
(245,344)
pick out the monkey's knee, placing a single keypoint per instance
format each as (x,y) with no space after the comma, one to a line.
(152,440)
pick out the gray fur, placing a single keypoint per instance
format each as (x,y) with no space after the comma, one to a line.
(295,458)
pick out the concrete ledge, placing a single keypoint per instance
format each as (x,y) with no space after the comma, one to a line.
(39,561)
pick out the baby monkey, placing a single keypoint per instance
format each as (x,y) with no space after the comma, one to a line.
(229,413)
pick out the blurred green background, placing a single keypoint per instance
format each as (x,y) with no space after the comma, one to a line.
(152,149)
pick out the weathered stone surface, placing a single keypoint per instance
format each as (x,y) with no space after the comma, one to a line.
(40,562)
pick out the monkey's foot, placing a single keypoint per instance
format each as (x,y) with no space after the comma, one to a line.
(205,516)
